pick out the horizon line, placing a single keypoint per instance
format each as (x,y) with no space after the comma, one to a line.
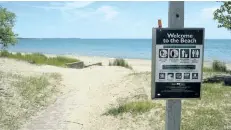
(105,38)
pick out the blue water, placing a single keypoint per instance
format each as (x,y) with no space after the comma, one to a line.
(118,48)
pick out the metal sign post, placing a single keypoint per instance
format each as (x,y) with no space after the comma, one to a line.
(177,62)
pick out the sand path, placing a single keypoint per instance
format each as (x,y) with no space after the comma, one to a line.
(86,94)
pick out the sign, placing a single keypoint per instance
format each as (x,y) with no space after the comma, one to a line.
(177,62)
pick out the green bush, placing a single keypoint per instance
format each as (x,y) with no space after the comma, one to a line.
(120,62)
(38,58)
(219,66)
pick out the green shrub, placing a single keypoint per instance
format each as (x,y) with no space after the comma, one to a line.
(219,66)
(120,62)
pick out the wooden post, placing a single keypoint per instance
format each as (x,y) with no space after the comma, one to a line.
(173,106)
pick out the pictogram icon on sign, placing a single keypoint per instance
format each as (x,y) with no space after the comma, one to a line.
(161,75)
(184,53)
(195,53)
(163,53)
(186,75)
(170,76)
(174,53)
(194,75)
(178,75)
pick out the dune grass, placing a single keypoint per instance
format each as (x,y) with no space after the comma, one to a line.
(211,112)
(217,66)
(39,59)
(135,107)
(207,69)
(21,97)
(120,62)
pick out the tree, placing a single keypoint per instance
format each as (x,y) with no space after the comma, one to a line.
(7,21)
(223,15)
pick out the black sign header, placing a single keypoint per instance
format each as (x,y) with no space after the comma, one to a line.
(179,36)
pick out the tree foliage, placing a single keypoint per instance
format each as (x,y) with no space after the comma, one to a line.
(7,21)
(223,15)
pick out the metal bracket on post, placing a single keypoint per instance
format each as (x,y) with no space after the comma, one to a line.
(173,106)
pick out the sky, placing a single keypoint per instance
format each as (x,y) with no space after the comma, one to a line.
(107,19)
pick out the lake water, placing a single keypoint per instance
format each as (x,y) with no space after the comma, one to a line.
(118,48)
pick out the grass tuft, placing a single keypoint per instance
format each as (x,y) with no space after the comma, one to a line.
(207,69)
(39,59)
(31,88)
(209,113)
(204,119)
(120,62)
(219,66)
(134,107)
(21,97)
(4,53)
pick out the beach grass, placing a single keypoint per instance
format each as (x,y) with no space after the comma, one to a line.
(207,69)
(22,96)
(120,62)
(219,66)
(211,112)
(134,107)
(39,59)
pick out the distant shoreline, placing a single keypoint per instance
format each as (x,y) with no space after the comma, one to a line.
(107,38)
(103,57)
(117,48)
(138,65)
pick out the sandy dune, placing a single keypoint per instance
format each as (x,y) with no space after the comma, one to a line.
(86,94)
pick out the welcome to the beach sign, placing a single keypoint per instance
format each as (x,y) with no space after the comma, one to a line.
(177,56)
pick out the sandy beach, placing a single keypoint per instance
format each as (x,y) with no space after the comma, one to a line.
(139,65)
(107,65)
(87,93)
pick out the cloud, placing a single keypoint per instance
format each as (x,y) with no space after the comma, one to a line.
(207,13)
(75,5)
(73,11)
(64,6)
(102,12)
(108,11)
(77,10)
(61,6)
